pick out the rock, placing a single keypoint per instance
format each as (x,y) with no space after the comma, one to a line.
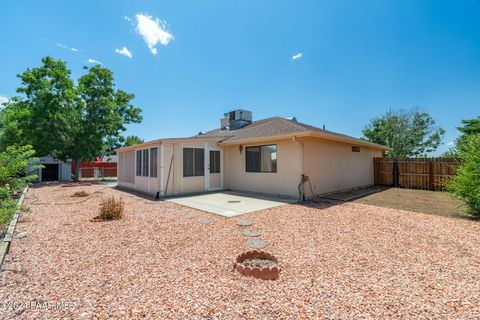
(21,235)
(190,216)
(251,233)
(205,220)
(244,223)
(256,244)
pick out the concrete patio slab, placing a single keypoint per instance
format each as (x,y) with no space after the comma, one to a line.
(230,204)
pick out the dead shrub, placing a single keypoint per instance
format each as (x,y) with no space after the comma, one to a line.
(110,209)
(81,193)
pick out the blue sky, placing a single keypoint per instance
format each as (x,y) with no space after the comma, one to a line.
(359,58)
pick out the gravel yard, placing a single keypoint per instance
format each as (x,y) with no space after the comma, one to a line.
(347,261)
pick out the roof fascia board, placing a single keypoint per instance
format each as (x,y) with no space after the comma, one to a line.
(315,134)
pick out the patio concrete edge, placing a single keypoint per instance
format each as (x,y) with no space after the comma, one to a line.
(5,244)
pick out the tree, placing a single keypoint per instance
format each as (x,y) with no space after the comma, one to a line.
(466,184)
(41,117)
(470,126)
(132,140)
(68,121)
(410,133)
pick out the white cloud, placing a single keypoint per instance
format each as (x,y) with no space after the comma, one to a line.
(450,143)
(152,31)
(127,18)
(64,46)
(124,52)
(297,56)
(3,100)
(93,61)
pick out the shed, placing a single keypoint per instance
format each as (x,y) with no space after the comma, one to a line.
(53,170)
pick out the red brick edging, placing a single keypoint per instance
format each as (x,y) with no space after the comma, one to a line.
(266,273)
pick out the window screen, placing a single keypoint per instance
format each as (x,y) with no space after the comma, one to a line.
(145,163)
(199,162)
(214,161)
(193,162)
(153,162)
(139,163)
(355,149)
(261,158)
(187,162)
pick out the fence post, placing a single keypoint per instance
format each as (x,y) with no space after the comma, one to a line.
(396,174)
(431,177)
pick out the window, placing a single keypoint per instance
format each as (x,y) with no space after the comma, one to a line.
(153,162)
(355,149)
(261,158)
(214,161)
(193,162)
(146,157)
(139,163)
(145,163)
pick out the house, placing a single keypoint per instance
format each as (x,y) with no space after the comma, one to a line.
(53,170)
(265,156)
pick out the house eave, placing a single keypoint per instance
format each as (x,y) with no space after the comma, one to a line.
(315,134)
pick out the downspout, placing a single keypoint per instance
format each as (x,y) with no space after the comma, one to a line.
(303,178)
(303,152)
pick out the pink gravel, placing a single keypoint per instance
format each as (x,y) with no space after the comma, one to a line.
(347,261)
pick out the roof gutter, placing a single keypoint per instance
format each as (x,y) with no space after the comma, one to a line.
(316,134)
(356,141)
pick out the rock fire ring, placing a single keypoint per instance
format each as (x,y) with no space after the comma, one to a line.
(268,268)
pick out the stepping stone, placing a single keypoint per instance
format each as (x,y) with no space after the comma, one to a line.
(251,233)
(205,220)
(244,223)
(256,244)
(138,214)
(21,235)
(190,216)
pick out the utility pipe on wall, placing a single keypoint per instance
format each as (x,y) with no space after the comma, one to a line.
(294,138)
(303,177)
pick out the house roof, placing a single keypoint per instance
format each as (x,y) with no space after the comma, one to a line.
(281,127)
(275,127)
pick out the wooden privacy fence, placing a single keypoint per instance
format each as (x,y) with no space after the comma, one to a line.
(415,173)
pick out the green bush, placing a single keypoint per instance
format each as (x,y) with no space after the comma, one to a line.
(13,177)
(7,207)
(466,185)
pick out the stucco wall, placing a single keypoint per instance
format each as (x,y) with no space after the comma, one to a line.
(146,184)
(332,165)
(284,181)
(177,183)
